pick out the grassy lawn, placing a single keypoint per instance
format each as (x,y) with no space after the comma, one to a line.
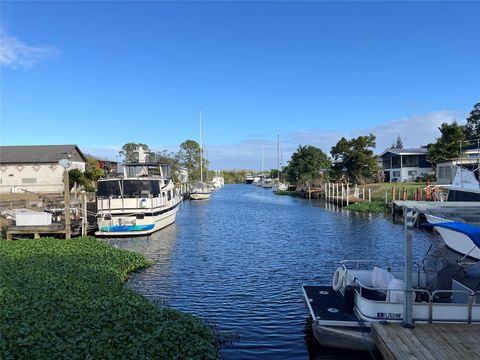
(378,189)
(66,299)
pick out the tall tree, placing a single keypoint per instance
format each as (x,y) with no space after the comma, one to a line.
(129,151)
(306,164)
(189,157)
(398,144)
(355,159)
(447,146)
(472,127)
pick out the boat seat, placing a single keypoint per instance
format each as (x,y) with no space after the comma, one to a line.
(371,294)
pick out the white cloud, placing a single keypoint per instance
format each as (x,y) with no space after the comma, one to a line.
(415,131)
(16,54)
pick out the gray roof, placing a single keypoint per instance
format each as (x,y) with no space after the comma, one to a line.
(39,154)
(417,151)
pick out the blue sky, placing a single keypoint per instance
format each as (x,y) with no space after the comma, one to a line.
(101,74)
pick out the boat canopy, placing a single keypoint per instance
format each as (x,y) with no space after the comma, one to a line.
(473,232)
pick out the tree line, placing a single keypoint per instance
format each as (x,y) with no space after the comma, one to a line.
(350,160)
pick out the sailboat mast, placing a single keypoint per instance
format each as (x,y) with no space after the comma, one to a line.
(262,162)
(278,157)
(201,145)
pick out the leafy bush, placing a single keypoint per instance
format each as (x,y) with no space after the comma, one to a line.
(66,299)
(372,207)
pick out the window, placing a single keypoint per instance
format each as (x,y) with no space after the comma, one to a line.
(412,173)
(396,174)
(444,172)
(29,180)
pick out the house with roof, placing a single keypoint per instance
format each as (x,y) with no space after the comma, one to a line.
(405,164)
(36,168)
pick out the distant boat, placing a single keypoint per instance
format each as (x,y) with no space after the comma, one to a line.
(200,191)
(218,181)
(279,185)
(140,202)
(267,183)
(249,179)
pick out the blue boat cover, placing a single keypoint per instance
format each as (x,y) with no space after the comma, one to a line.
(473,232)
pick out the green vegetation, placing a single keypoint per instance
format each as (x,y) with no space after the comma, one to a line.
(354,158)
(288,193)
(306,164)
(66,299)
(378,189)
(372,207)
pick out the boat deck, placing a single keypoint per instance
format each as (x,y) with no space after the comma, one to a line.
(326,304)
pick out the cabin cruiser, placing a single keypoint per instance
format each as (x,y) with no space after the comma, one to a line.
(249,179)
(443,291)
(140,201)
(465,185)
(267,183)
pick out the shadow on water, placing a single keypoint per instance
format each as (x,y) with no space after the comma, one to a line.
(239,260)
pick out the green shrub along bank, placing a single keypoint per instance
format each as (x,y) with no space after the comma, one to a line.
(372,207)
(66,299)
(288,193)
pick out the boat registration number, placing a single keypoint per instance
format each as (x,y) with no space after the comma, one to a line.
(395,316)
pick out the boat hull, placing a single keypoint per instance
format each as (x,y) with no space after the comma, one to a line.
(343,337)
(454,240)
(200,196)
(157,223)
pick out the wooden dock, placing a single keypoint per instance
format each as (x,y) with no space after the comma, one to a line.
(428,341)
(41,230)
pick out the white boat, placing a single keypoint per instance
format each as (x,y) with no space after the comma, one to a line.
(138,203)
(456,241)
(200,191)
(249,179)
(267,183)
(462,205)
(280,186)
(361,294)
(465,185)
(218,181)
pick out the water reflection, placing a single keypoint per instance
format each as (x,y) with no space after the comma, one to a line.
(241,258)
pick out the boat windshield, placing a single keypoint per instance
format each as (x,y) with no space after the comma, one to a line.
(131,188)
(109,188)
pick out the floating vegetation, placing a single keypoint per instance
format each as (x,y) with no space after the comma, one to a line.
(287,193)
(67,299)
(367,207)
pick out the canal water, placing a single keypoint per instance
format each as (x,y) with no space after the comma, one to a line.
(240,258)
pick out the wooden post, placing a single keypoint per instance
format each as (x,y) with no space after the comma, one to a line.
(369,195)
(84,214)
(337,192)
(404,193)
(342,194)
(394,193)
(348,190)
(66,191)
(386,197)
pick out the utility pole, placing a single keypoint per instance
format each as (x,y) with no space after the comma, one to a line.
(65,163)
(66,191)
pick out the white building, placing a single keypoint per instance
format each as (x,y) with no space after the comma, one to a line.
(35,168)
(446,170)
(405,164)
